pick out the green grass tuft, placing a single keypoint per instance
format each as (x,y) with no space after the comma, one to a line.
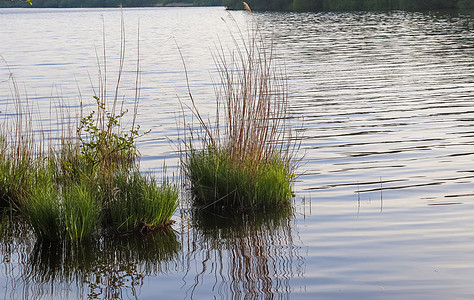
(247,155)
(82,211)
(221,183)
(43,209)
(139,203)
(57,212)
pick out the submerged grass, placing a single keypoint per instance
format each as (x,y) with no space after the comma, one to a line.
(246,161)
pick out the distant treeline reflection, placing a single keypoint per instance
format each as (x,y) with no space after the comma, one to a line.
(349,5)
(261,5)
(108,3)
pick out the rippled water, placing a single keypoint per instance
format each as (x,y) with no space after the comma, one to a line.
(385,202)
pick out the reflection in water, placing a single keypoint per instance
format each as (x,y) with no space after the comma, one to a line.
(15,244)
(245,256)
(382,95)
(111,267)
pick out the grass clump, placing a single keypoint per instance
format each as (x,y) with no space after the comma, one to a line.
(18,152)
(245,159)
(90,180)
(14,181)
(235,184)
(62,211)
(82,211)
(93,183)
(139,203)
(43,210)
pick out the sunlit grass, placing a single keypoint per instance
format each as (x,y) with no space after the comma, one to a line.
(82,210)
(245,159)
(43,208)
(140,203)
(90,179)
(221,183)
(62,211)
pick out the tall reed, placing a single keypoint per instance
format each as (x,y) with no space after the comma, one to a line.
(91,177)
(248,161)
(18,150)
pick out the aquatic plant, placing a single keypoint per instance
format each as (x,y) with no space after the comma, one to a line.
(139,203)
(59,211)
(102,145)
(90,178)
(248,161)
(17,164)
(223,183)
(43,210)
(18,150)
(82,210)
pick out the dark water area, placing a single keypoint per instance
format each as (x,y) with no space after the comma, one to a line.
(384,106)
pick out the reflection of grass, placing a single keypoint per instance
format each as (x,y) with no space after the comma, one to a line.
(90,178)
(107,266)
(246,162)
(228,225)
(251,254)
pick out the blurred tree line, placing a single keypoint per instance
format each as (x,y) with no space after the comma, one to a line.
(107,3)
(261,5)
(349,5)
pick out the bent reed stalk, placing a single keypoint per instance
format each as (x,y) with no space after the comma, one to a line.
(90,182)
(248,161)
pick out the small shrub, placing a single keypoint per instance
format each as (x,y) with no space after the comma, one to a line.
(102,144)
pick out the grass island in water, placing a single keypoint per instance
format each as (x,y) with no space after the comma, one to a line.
(247,162)
(87,184)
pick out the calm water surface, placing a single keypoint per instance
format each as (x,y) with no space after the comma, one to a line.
(384,207)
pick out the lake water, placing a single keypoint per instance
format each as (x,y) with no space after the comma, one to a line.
(384,206)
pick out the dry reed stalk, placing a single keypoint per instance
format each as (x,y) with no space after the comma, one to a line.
(247,7)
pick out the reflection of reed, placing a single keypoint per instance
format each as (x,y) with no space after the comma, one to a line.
(249,256)
(15,243)
(102,269)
